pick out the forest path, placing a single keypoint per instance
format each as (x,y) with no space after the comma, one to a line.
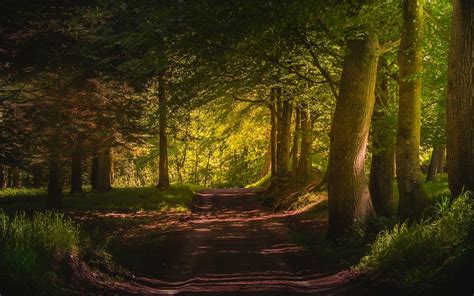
(229,245)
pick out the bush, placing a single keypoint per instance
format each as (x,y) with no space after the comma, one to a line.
(414,255)
(29,246)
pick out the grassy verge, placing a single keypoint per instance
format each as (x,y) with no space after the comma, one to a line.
(177,198)
(29,249)
(432,251)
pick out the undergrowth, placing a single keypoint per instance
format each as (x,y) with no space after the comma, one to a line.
(30,246)
(416,255)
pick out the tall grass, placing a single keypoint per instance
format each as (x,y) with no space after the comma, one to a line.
(414,255)
(29,247)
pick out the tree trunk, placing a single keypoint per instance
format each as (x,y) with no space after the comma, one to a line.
(283,134)
(296,143)
(442,155)
(163,179)
(76,170)
(53,198)
(104,170)
(16,177)
(436,158)
(349,197)
(304,164)
(383,150)
(273,138)
(10,177)
(2,176)
(37,176)
(460,108)
(94,172)
(413,199)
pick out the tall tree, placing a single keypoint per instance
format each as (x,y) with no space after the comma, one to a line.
(349,197)
(304,162)
(383,144)
(163,179)
(460,107)
(413,199)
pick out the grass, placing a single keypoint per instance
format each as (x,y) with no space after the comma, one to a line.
(29,248)
(177,198)
(416,256)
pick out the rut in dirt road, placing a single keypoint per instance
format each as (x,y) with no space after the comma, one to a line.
(233,245)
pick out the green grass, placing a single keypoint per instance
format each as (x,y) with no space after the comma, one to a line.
(417,255)
(177,198)
(30,247)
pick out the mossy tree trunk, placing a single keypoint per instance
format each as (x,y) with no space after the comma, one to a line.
(304,163)
(413,199)
(460,107)
(296,143)
(284,110)
(383,148)
(163,178)
(349,197)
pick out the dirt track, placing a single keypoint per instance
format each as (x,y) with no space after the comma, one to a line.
(230,245)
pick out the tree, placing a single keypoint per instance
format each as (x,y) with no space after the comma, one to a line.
(460,107)
(413,199)
(383,144)
(348,194)
(163,179)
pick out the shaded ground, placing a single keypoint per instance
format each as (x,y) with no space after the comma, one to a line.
(230,244)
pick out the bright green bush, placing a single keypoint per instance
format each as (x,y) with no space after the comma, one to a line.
(414,255)
(29,246)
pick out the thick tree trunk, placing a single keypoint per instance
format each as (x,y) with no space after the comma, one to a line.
(349,197)
(296,143)
(413,199)
(94,172)
(104,170)
(76,170)
(442,155)
(436,158)
(304,163)
(2,176)
(16,177)
(163,179)
(460,108)
(53,198)
(383,149)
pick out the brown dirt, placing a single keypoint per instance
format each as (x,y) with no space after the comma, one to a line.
(228,245)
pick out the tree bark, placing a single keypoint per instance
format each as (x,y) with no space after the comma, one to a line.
(460,107)
(440,169)
(94,171)
(413,199)
(9,177)
(349,197)
(296,143)
(436,158)
(163,178)
(283,133)
(37,176)
(2,176)
(304,163)
(76,170)
(383,149)
(53,198)
(16,177)
(273,138)
(104,170)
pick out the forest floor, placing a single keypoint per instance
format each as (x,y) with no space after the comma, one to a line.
(228,244)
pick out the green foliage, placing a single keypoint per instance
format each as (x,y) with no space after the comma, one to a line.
(30,246)
(21,192)
(414,254)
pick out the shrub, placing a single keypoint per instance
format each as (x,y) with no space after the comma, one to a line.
(414,255)
(29,247)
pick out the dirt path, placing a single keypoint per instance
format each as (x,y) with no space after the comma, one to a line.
(229,245)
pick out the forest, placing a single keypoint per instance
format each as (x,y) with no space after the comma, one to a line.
(244,147)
